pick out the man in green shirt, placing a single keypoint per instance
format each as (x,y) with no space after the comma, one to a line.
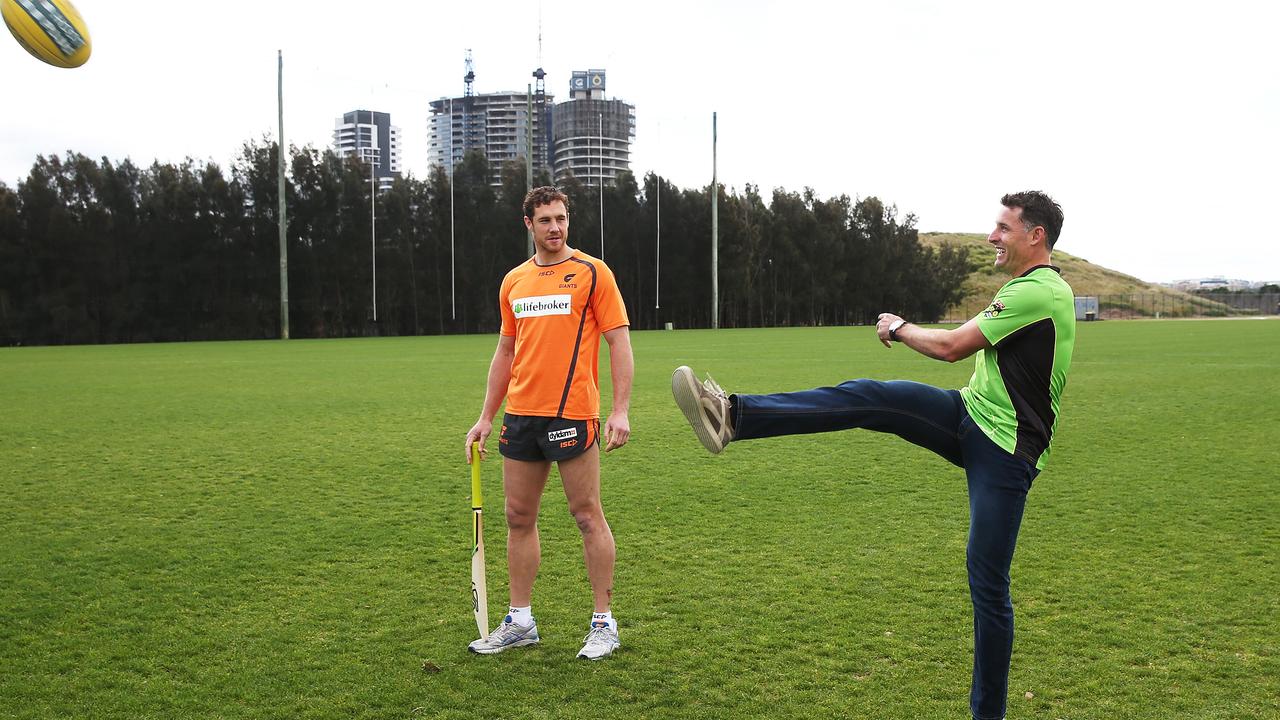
(998,428)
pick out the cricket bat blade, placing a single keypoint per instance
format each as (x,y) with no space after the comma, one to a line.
(479,595)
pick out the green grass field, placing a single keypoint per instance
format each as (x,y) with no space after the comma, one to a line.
(271,530)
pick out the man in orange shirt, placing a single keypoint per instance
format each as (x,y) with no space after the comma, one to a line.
(555,306)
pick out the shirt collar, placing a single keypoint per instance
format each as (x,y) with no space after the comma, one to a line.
(1054,268)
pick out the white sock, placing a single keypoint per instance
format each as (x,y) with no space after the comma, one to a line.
(605,617)
(522,616)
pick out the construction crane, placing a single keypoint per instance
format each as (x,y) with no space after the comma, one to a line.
(470,77)
(539,150)
(470,133)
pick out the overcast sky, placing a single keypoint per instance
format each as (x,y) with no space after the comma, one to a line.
(1156,125)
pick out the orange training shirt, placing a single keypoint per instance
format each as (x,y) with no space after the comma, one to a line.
(557,314)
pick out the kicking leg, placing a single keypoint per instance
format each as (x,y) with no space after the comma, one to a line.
(921,414)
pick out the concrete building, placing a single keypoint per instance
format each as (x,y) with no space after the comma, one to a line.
(370,136)
(592,134)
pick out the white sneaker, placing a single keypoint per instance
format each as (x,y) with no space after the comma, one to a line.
(600,642)
(705,405)
(506,635)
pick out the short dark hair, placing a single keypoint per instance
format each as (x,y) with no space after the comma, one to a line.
(544,195)
(1037,209)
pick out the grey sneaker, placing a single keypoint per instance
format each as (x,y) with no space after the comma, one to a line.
(705,405)
(600,642)
(506,635)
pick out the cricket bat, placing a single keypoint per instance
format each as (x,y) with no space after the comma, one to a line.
(479,598)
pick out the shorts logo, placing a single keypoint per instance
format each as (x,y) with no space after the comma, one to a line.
(541,305)
(564,434)
(994,310)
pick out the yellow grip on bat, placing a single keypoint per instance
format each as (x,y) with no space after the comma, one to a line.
(476,499)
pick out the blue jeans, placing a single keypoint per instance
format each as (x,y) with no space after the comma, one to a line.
(998,483)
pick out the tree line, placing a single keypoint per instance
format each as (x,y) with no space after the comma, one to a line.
(109,252)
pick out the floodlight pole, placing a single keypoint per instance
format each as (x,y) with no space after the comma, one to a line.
(715,233)
(657,248)
(373,214)
(453,297)
(284,222)
(657,242)
(601,186)
(528,166)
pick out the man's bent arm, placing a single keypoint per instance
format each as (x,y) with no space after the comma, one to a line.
(621,368)
(948,345)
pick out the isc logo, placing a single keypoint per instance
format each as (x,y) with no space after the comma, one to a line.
(568,443)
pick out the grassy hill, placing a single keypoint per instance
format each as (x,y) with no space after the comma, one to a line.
(1120,295)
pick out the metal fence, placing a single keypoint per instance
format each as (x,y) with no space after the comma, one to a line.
(1159,306)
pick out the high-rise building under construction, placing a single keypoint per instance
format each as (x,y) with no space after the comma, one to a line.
(496,124)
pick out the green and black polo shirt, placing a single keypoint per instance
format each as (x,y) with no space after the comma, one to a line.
(1013,394)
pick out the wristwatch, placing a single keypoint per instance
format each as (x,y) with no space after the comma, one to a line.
(893,329)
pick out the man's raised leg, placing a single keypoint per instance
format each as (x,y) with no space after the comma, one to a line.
(921,414)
